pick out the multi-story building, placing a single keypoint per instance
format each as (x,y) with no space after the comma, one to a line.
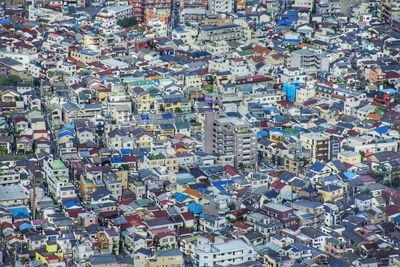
(109,16)
(233,252)
(9,176)
(220,6)
(309,61)
(230,32)
(145,10)
(318,144)
(230,136)
(390,10)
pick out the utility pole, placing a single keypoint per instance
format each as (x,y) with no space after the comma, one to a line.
(33,205)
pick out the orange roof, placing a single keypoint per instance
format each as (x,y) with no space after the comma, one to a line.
(193,192)
(374,116)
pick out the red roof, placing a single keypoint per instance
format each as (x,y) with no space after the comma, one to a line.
(230,170)
(6,225)
(239,212)
(19,119)
(285,103)
(392,210)
(262,50)
(160,213)
(241,225)
(164,234)
(187,216)
(278,185)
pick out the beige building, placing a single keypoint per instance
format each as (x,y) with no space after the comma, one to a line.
(85,55)
(350,157)
(165,258)
(318,144)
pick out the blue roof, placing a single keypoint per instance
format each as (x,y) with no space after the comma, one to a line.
(126,151)
(65,133)
(397,219)
(117,160)
(317,166)
(180,197)
(144,117)
(382,129)
(69,126)
(330,188)
(167,116)
(5,22)
(19,213)
(25,226)
(204,191)
(84,154)
(220,184)
(389,91)
(350,175)
(262,133)
(71,203)
(291,41)
(195,208)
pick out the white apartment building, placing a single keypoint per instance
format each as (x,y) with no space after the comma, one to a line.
(109,16)
(233,252)
(220,6)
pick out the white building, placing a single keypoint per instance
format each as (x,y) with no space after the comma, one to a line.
(233,252)
(220,6)
(109,16)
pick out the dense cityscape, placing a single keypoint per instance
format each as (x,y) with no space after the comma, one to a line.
(174,133)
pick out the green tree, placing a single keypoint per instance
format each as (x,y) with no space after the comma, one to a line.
(162,109)
(9,80)
(178,110)
(241,166)
(36,82)
(127,22)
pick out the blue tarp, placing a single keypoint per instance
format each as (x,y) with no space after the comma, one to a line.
(25,226)
(180,197)
(195,208)
(350,175)
(262,133)
(290,90)
(19,213)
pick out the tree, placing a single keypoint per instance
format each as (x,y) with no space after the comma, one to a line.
(162,109)
(127,22)
(241,166)
(36,82)
(9,80)
(178,110)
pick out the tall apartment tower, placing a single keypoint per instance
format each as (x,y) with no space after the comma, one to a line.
(220,6)
(230,136)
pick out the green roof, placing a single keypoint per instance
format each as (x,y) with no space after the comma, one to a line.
(291,130)
(143,202)
(57,165)
(246,52)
